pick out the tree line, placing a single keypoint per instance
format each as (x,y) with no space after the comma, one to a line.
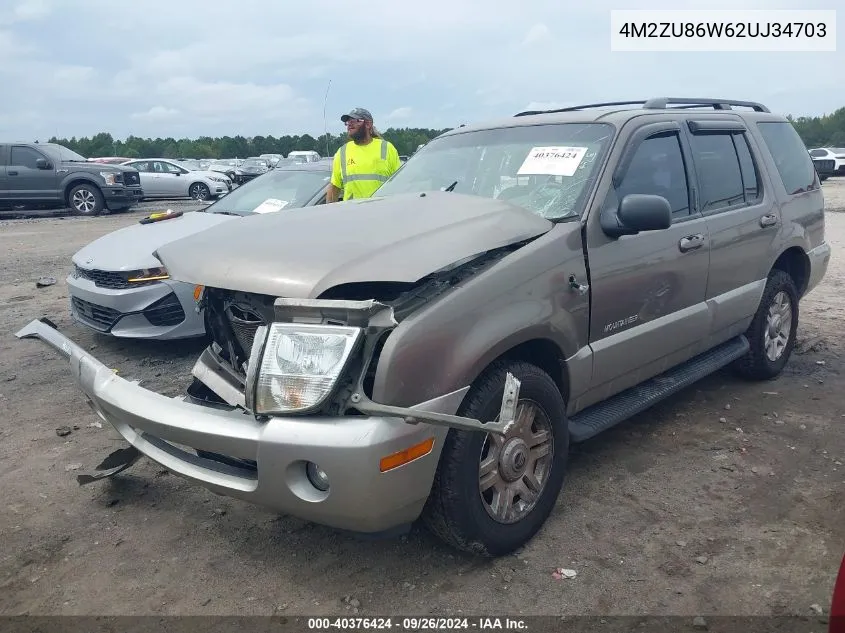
(821,131)
(406,141)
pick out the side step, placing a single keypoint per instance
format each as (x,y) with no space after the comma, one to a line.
(604,415)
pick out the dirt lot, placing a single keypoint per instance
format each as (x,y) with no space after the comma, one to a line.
(725,500)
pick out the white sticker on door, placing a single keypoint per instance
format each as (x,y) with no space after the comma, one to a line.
(270,205)
(552,161)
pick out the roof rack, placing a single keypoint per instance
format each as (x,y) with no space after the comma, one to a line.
(660,103)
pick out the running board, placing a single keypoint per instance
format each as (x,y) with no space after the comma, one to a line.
(604,415)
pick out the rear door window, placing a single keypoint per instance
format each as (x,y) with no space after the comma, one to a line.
(793,162)
(718,170)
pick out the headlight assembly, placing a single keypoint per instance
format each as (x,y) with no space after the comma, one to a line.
(301,365)
(148,274)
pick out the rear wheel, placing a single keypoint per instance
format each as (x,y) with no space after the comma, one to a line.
(491,494)
(772,332)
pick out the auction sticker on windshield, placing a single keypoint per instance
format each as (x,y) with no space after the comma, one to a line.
(552,161)
(270,205)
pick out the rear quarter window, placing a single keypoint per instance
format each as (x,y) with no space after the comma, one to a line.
(793,162)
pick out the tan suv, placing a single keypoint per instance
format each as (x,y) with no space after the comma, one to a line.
(517,286)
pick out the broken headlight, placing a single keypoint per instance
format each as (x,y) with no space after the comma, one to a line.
(301,365)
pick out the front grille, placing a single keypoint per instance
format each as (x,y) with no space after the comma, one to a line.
(110,279)
(131,178)
(165,312)
(244,325)
(99,317)
(823,164)
(232,325)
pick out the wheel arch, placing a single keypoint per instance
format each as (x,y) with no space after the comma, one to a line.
(74,182)
(795,263)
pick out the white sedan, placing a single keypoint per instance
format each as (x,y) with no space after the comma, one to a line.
(163,178)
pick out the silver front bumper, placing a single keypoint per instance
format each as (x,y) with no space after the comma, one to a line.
(361,498)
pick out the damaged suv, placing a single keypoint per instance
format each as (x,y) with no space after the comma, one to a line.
(516,287)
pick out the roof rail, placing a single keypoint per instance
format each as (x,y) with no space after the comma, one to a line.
(581,107)
(659,103)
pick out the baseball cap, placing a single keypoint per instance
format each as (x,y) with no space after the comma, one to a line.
(357,113)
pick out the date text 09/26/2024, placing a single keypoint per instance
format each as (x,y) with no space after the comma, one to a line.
(417,623)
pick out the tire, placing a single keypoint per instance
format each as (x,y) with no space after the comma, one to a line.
(757,364)
(199,191)
(455,510)
(86,200)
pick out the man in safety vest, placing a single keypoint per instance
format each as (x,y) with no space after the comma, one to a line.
(362,164)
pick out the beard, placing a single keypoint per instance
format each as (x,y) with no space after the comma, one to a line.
(359,135)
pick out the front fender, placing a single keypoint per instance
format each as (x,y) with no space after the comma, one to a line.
(525,296)
(76,178)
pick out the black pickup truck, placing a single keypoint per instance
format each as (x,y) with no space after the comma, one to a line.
(51,175)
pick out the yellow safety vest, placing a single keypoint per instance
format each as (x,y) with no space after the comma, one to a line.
(361,169)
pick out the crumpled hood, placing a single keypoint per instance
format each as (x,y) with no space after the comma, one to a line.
(132,247)
(303,252)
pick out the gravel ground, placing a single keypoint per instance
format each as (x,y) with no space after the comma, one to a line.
(727,499)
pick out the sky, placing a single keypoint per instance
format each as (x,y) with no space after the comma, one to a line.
(191,68)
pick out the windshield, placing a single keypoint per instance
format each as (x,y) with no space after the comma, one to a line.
(817,153)
(279,189)
(63,152)
(543,168)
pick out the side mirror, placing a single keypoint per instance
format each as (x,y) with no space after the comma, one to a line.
(637,212)
(41,163)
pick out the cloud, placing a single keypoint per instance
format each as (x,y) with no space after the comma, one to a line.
(402,113)
(538,34)
(157,113)
(28,10)
(78,68)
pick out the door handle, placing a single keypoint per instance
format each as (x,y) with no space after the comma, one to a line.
(691,242)
(12,173)
(770,219)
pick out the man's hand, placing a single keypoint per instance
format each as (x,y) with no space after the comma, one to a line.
(333,194)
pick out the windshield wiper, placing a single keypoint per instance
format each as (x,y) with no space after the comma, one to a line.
(451,187)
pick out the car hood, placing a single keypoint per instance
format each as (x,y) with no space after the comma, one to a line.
(132,248)
(303,252)
(95,167)
(207,173)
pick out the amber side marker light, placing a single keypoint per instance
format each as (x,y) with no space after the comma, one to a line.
(197,292)
(408,455)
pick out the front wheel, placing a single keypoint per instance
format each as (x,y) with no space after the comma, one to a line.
(772,332)
(199,192)
(86,200)
(491,494)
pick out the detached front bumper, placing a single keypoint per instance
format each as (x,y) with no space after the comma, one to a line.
(360,497)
